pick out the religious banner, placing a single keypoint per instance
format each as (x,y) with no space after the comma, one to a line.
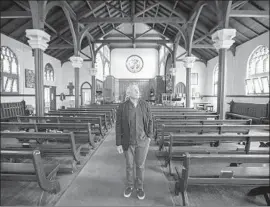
(29,78)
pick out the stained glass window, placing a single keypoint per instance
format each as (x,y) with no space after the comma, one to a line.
(216,80)
(49,72)
(258,71)
(9,71)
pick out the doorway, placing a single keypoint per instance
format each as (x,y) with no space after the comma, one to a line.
(49,98)
(86,93)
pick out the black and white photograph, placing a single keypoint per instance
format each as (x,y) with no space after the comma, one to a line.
(135,103)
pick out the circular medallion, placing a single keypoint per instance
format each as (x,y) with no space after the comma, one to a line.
(134,63)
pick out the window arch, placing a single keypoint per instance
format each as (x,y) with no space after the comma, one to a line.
(180,89)
(215,80)
(257,80)
(9,71)
(49,72)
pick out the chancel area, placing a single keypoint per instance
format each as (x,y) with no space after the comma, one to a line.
(202,68)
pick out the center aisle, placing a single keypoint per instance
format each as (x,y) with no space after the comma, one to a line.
(101,181)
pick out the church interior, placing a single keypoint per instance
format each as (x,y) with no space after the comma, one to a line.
(201,66)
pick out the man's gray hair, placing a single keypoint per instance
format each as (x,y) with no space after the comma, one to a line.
(130,88)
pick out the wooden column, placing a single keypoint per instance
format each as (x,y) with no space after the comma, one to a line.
(38,41)
(222,42)
(77,62)
(188,63)
(93,72)
(188,87)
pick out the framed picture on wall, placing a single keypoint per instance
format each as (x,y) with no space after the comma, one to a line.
(194,78)
(29,78)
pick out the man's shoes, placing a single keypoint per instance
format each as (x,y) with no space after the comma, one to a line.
(140,194)
(128,192)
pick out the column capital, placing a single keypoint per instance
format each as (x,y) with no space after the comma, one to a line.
(37,38)
(223,38)
(76,61)
(189,61)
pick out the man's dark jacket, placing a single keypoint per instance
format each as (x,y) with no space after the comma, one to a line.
(122,122)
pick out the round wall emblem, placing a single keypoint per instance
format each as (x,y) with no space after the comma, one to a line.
(134,63)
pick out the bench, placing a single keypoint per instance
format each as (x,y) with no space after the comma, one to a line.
(240,176)
(201,129)
(104,120)
(177,139)
(96,125)
(109,112)
(67,147)
(36,171)
(112,112)
(9,111)
(259,113)
(82,131)
(158,129)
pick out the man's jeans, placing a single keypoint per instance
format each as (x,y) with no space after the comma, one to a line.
(136,153)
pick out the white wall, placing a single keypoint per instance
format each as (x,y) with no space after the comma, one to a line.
(236,72)
(67,76)
(118,63)
(26,61)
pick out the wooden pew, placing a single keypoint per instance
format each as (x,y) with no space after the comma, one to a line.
(109,112)
(161,131)
(9,111)
(104,120)
(245,176)
(177,139)
(259,113)
(96,125)
(202,129)
(186,116)
(36,171)
(82,131)
(69,149)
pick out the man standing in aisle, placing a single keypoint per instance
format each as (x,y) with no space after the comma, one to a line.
(134,131)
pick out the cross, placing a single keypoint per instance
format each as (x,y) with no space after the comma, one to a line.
(70,87)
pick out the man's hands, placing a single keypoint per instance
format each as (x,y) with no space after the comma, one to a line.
(120,149)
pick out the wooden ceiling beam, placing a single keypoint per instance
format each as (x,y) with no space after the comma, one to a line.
(120,20)
(249,13)
(171,12)
(110,41)
(203,46)
(124,34)
(145,9)
(60,47)
(118,9)
(15,14)
(91,8)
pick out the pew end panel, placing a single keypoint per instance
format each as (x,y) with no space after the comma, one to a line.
(239,176)
(43,174)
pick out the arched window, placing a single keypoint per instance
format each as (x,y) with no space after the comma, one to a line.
(257,81)
(9,71)
(215,80)
(180,89)
(86,93)
(49,72)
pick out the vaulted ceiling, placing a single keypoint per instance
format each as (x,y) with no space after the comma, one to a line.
(110,17)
